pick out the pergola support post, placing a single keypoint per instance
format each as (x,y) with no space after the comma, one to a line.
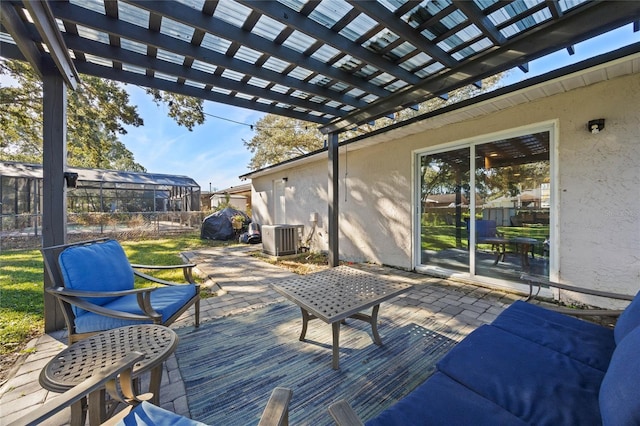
(333,198)
(54,205)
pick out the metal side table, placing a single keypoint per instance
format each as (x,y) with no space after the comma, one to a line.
(339,293)
(79,362)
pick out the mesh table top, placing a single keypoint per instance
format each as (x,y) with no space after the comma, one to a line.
(337,293)
(82,359)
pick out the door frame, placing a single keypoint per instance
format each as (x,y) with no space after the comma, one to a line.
(550,126)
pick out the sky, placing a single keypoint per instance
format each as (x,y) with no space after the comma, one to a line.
(213,153)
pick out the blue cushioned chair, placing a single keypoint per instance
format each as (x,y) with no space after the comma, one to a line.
(94,283)
(485,229)
(138,411)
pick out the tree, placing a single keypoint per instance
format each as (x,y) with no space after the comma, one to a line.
(508,181)
(185,110)
(466,92)
(279,138)
(97,112)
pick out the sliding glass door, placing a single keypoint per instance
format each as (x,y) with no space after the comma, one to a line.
(444,209)
(489,217)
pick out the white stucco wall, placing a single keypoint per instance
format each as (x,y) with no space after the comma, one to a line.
(598,216)
(239,202)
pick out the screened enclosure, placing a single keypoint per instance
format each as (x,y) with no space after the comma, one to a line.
(103,200)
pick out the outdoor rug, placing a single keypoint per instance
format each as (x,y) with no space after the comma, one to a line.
(231,365)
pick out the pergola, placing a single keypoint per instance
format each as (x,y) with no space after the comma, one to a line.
(337,63)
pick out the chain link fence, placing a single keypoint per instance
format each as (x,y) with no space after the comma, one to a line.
(25,230)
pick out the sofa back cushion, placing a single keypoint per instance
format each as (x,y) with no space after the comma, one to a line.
(628,321)
(619,392)
(96,267)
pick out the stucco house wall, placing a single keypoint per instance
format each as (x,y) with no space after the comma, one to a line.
(597,187)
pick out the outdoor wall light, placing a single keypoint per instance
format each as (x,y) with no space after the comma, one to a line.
(71,179)
(284,179)
(596,126)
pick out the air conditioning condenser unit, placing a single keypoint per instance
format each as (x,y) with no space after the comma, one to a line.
(281,240)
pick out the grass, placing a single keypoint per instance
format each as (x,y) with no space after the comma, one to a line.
(444,236)
(21,281)
(302,263)
(21,300)
(21,284)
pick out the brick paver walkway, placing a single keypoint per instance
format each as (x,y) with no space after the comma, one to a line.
(242,283)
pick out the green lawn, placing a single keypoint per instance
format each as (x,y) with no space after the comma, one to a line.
(21,277)
(444,236)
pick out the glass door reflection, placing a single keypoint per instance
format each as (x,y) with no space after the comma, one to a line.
(512,215)
(444,209)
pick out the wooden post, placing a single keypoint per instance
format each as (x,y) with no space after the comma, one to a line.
(54,206)
(333,198)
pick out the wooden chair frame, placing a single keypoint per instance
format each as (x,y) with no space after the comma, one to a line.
(66,297)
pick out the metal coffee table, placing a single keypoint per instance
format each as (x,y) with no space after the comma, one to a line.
(81,360)
(339,293)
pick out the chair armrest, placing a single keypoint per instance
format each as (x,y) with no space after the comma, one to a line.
(158,280)
(184,265)
(187,271)
(75,297)
(81,293)
(276,411)
(343,414)
(97,381)
(543,282)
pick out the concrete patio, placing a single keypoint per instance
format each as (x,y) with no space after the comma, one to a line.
(243,283)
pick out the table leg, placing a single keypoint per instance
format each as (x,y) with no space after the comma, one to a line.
(524,254)
(371,319)
(498,255)
(154,383)
(78,412)
(374,325)
(500,251)
(305,321)
(97,409)
(336,345)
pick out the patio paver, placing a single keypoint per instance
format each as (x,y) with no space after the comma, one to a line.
(243,283)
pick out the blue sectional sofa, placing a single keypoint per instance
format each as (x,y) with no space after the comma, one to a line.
(532,366)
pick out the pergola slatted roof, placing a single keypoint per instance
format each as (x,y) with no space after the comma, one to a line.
(338,63)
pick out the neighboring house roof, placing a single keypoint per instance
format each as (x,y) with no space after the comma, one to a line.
(27,170)
(526,196)
(447,200)
(591,71)
(238,189)
(439,200)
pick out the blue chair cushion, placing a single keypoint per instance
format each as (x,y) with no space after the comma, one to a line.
(443,401)
(96,267)
(583,341)
(146,414)
(485,229)
(536,384)
(620,393)
(164,300)
(628,320)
